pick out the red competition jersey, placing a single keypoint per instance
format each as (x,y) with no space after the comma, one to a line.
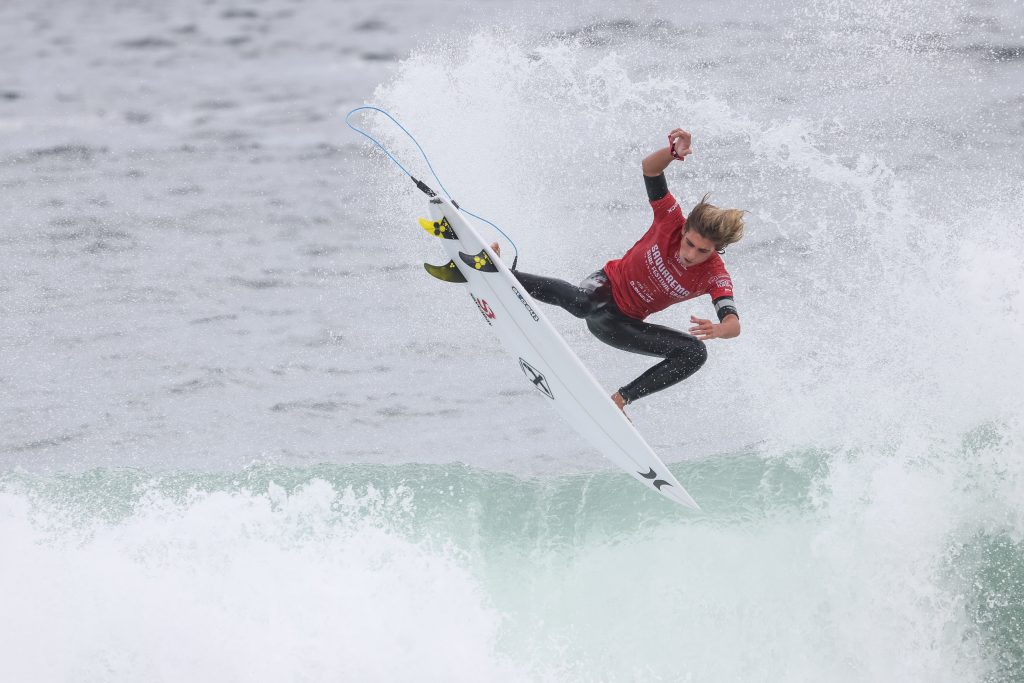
(650,278)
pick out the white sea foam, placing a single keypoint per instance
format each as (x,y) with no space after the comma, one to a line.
(870,573)
(234,586)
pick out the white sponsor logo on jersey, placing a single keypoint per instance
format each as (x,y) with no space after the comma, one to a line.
(723,282)
(659,272)
(641,291)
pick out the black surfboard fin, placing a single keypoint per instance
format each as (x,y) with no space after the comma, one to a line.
(449,272)
(481,261)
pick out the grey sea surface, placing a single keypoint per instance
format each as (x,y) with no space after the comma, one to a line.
(187,241)
(199,265)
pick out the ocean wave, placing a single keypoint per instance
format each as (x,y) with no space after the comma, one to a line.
(837,563)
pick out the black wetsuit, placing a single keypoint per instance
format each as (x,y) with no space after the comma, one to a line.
(592,300)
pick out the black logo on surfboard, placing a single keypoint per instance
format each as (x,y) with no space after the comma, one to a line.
(537,378)
(529,308)
(657,483)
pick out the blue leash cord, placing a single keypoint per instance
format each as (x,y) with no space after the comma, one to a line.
(419,183)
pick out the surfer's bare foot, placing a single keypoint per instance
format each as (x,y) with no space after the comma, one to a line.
(620,403)
(495,248)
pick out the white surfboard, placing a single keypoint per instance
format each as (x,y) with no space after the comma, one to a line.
(542,355)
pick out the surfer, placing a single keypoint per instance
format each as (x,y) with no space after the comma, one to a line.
(677,259)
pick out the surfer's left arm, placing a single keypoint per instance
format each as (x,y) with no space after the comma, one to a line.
(720,291)
(705,329)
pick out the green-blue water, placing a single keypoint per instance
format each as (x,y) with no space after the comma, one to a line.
(585,577)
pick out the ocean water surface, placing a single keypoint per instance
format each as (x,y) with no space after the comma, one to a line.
(243,435)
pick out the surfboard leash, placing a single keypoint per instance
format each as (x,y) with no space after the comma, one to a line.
(422,186)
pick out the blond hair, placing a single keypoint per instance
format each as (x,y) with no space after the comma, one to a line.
(721,226)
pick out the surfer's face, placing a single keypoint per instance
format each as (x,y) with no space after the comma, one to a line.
(695,249)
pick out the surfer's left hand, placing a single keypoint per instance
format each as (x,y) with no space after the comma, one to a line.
(703,329)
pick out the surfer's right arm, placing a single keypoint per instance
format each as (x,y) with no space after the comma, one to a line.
(656,162)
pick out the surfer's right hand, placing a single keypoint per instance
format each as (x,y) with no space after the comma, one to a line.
(495,248)
(680,141)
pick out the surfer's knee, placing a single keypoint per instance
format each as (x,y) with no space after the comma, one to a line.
(693,351)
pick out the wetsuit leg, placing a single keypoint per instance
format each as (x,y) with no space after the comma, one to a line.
(580,300)
(684,354)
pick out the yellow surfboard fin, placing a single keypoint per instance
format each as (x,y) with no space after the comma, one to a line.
(441,228)
(449,272)
(481,262)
